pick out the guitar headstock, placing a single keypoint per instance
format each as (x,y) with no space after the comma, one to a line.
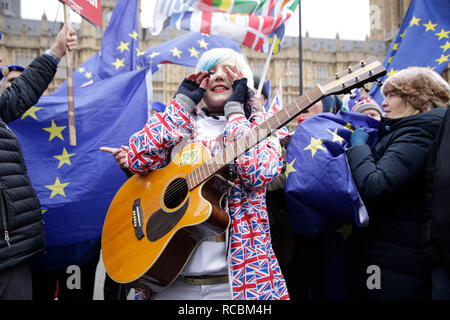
(354,77)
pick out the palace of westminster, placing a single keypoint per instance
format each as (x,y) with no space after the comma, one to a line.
(24,39)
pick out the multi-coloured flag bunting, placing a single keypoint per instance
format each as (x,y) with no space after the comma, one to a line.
(248,22)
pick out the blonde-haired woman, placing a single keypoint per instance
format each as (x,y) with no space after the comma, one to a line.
(387,256)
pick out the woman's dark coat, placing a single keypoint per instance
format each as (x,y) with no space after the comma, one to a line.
(391,182)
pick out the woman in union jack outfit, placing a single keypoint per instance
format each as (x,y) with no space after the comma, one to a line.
(213,106)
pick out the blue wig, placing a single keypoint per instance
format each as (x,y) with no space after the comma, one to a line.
(217,55)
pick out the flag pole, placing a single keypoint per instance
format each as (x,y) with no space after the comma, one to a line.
(266,66)
(70,94)
(300,48)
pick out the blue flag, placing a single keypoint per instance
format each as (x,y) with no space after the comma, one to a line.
(422,40)
(184,50)
(75,184)
(319,186)
(119,49)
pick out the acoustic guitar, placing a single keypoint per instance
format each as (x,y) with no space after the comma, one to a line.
(156,220)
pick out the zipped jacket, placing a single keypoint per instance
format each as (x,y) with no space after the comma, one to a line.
(21,227)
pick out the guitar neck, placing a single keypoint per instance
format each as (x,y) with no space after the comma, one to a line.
(252,138)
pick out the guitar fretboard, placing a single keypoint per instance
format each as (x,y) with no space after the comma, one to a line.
(252,138)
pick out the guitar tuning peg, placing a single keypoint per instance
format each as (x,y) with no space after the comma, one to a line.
(353,96)
(363,64)
(350,70)
(365,89)
(379,83)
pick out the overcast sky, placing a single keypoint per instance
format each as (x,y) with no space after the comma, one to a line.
(321,18)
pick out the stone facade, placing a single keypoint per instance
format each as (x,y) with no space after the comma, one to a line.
(23,39)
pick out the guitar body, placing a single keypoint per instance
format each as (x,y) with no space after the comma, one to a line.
(155,222)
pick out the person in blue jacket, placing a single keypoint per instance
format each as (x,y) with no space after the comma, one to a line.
(387,256)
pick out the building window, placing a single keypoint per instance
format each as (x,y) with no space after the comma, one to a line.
(257,68)
(24,58)
(322,73)
(292,74)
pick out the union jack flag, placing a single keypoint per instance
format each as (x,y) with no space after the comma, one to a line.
(277,101)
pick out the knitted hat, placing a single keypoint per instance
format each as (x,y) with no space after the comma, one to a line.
(365,103)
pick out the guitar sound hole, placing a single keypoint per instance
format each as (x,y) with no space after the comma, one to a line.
(176,192)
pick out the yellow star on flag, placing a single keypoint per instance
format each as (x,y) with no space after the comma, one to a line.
(194,53)
(345,230)
(123,46)
(154,54)
(445,46)
(414,21)
(390,59)
(119,63)
(31,113)
(64,158)
(403,34)
(138,67)
(443,34)
(139,52)
(349,126)
(429,26)
(57,188)
(336,137)
(88,75)
(395,46)
(442,59)
(134,35)
(81,69)
(392,72)
(55,131)
(315,145)
(289,168)
(176,52)
(203,44)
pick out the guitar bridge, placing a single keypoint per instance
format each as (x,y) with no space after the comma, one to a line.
(137,219)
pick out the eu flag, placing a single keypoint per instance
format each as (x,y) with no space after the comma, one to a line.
(185,49)
(422,40)
(319,186)
(75,184)
(73,220)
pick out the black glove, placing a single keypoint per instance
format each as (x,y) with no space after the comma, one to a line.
(240,92)
(191,90)
(235,102)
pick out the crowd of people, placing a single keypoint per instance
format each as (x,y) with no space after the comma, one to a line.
(403,182)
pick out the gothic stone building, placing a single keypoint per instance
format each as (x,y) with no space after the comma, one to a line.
(321,58)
